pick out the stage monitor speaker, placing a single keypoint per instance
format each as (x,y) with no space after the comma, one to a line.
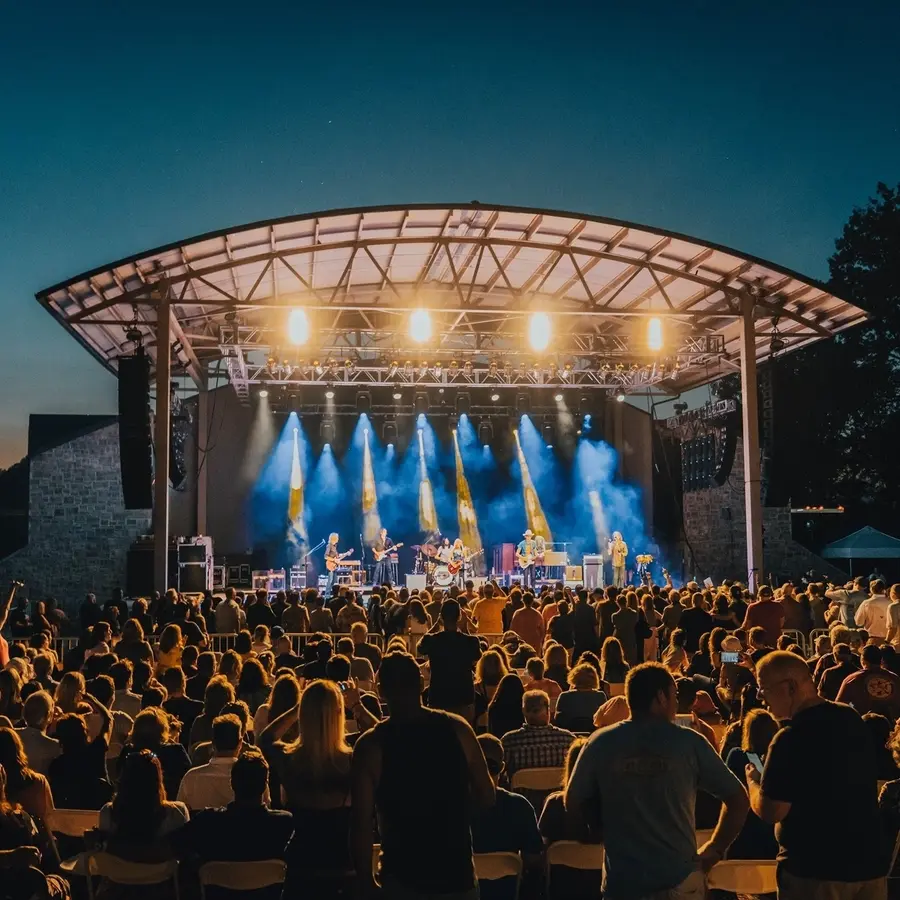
(135,446)
(415,582)
(593,571)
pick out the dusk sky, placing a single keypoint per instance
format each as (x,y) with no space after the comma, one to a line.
(129,125)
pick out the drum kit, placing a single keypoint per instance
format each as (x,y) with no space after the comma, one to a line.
(437,572)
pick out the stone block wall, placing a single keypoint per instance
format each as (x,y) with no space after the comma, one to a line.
(79,531)
(715,527)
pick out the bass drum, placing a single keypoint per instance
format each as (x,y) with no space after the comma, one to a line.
(442,576)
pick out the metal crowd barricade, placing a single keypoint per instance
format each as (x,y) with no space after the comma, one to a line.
(798,638)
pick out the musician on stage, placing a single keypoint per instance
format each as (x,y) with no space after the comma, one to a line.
(383,565)
(445,551)
(331,552)
(618,553)
(540,548)
(458,558)
(525,552)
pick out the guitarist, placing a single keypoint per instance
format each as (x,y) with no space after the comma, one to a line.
(525,553)
(331,553)
(382,548)
(458,560)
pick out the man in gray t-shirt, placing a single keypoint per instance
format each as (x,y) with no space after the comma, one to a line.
(640,778)
(848,600)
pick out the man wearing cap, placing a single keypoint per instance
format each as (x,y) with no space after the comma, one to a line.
(525,553)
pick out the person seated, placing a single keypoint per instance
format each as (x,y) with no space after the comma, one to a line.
(177,704)
(78,775)
(209,786)
(124,700)
(206,668)
(40,749)
(285,658)
(25,854)
(360,668)
(156,731)
(139,821)
(504,712)
(24,786)
(44,665)
(203,753)
(243,830)
(218,692)
(537,744)
(757,838)
(556,665)
(509,826)
(537,681)
(362,648)
(576,707)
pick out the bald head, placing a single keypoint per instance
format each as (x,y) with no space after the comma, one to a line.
(785,683)
(780,664)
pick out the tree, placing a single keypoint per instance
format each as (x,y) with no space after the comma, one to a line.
(838,401)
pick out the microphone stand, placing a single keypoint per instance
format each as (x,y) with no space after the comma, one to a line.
(306,560)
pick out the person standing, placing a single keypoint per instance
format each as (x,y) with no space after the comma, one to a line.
(625,622)
(331,559)
(872,613)
(409,747)
(382,547)
(874,689)
(528,623)
(525,553)
(821,743)
(640,778)
(618,553)
(844,602)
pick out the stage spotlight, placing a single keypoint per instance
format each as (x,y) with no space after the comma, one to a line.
(655,334)
(420,325)
(495,397)
(620,396)
(454,423)
(485,433)
(329,395)
(389,432)
(421,403)
(263,393)
(523,403)
(298,326)
(398,395)
(327,431)
(463,403)
(539,331)
(363,402)
(558,398)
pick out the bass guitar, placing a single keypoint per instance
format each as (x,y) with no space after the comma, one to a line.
(381,554)
(454,567)
(331,562)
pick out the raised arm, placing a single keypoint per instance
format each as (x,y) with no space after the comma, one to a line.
(106,721)
(276,729)
(7,603)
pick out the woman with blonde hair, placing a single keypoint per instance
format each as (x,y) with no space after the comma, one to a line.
(489,670)
(653,621)
(230,666)
(261,640)
(576,707)
(674,657)
(314,771)
(69,692)
(171,643)
(556,664)
(24,786)
(155,730)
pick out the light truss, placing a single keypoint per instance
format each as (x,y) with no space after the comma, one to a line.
(480,270)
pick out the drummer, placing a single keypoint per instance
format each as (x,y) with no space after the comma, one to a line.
(445,551)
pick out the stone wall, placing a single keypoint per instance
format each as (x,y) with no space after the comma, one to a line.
(78,528)
(715,526)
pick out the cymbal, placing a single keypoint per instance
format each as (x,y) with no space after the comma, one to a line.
(429,549)
(416,547)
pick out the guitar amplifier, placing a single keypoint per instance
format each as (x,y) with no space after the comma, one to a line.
(556,558)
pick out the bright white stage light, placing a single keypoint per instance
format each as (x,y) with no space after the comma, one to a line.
(655,334)
(620,397)
(263,393)
(420,325)
(329,395)
(558,398)
(398,396)
(539,331)
(298,326)
(495,397)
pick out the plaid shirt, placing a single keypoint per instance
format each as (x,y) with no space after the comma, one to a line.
(536,747)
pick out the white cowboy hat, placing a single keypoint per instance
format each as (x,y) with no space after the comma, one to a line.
(528,533)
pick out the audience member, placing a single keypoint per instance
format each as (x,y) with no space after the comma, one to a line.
(210,785)
(537,744)
(576,707)
(40,750)
(639,780)
(24,786)
(873,689)
(767,613)
(504,712)
(153,730)
(822,743)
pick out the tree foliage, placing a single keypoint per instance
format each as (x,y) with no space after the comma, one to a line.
(838,401)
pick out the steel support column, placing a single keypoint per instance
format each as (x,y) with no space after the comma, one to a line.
(750,413)
(161,439)
(202,462)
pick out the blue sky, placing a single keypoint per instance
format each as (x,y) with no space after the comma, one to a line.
(125,126)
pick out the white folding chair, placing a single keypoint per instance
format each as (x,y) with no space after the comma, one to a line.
(743,876)
(574,855)
(549,778)
(494,866)
(73,822)
(242,876)
(120,871)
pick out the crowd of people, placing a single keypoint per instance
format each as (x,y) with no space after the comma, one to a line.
(311,729)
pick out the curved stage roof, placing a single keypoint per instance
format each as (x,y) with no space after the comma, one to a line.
(481,270)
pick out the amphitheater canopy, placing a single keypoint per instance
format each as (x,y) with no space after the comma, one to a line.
(481,270)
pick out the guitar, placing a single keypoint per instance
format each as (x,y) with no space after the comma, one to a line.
(381,554)
(331,562)
(525,560)
(454,567)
